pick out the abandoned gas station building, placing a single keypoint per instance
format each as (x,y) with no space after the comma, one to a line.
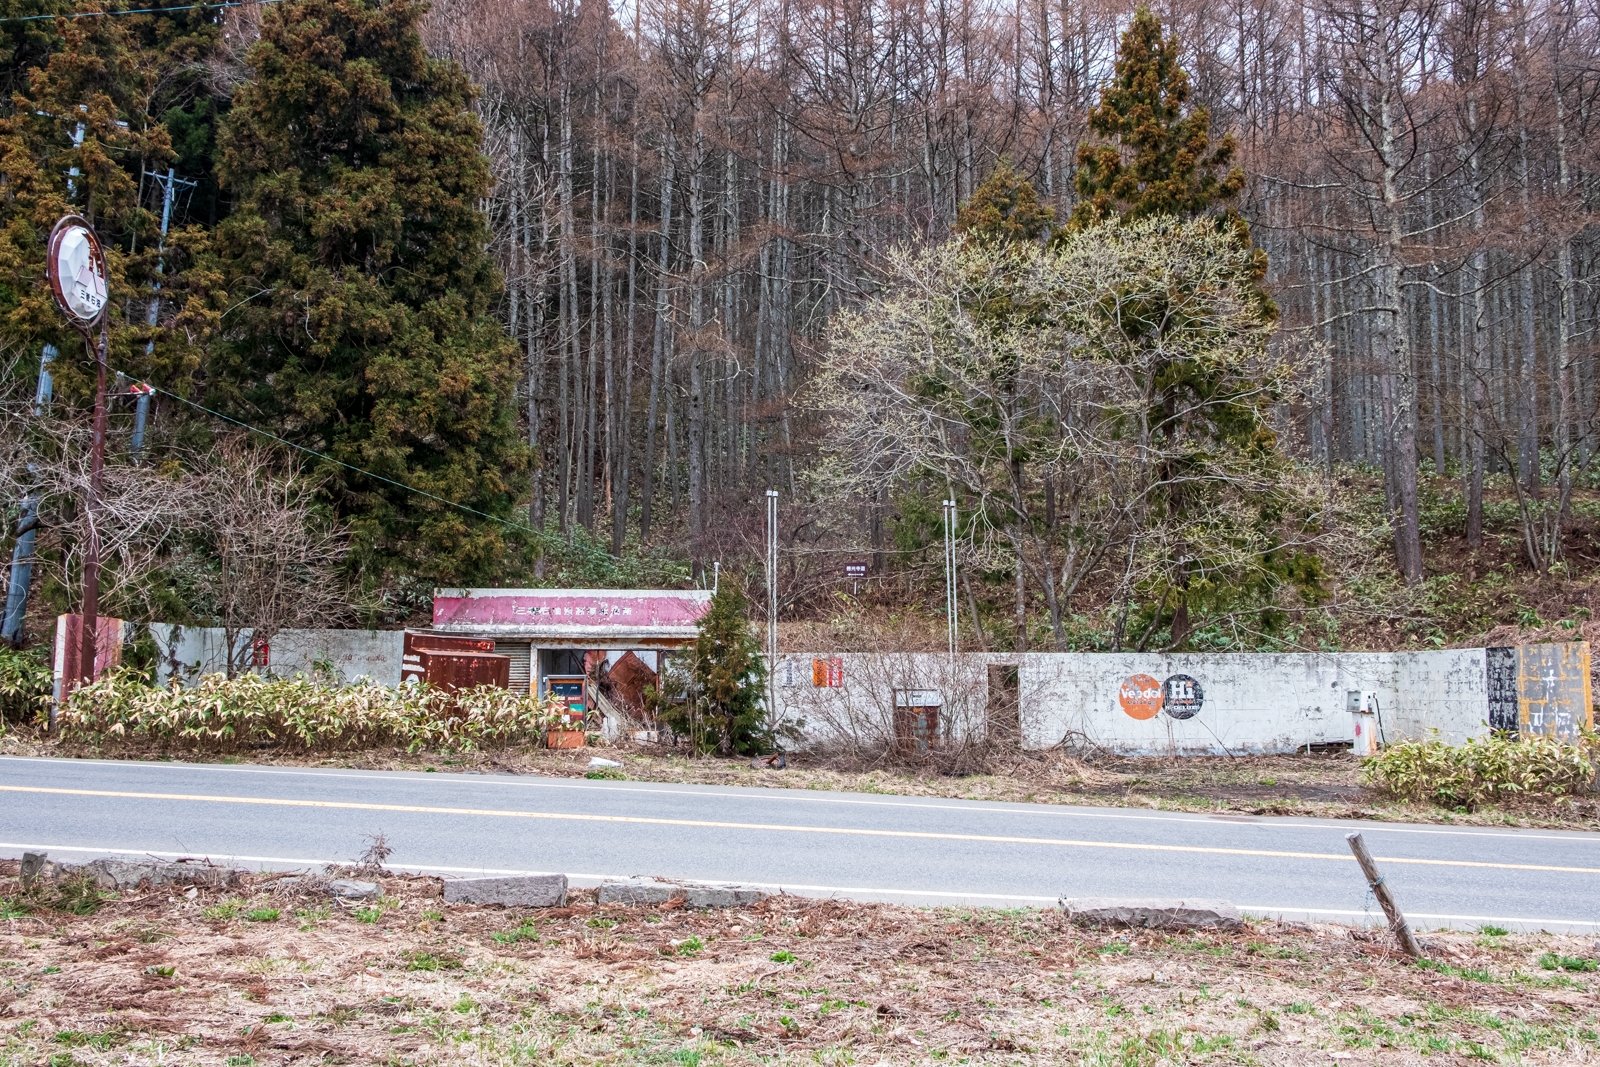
(555,638)
(530,640)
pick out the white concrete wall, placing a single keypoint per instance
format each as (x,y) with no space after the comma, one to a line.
(1444,692)
(352,655)
(1253,703)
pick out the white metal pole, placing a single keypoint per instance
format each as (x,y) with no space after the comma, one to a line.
(950,574)
(772,606)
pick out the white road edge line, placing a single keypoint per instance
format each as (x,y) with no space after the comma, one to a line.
(590,880)
(770,794)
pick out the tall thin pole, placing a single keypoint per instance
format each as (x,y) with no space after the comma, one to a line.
(91,559)
(169,188)
(772,606)
(950,574)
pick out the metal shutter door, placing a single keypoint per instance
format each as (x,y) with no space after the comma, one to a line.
(519,651)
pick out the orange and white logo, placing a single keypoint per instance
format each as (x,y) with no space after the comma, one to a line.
(1140,696)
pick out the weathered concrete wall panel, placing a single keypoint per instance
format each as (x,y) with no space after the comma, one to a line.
(347,655)
(1148,703)
(1443,694)
(1235,703)
(1553,690)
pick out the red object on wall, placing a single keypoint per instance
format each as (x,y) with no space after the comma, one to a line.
(69,650)
(260,653)
(628,680)
(827,673)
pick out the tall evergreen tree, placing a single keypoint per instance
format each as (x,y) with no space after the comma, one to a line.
(1157,157)
(729,676)
(360,287)
(86,124)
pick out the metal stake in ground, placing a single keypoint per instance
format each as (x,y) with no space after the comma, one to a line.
(78,278)
(1380,889)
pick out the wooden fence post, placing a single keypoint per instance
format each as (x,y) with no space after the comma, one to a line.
(1380,889)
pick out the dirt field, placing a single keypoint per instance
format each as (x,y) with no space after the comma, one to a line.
(256,975)
(1320,785)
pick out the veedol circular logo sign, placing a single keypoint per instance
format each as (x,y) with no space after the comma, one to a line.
(77,269)
(1182,696)
(1140,696)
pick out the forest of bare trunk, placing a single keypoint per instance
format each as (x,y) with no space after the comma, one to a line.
(687,190)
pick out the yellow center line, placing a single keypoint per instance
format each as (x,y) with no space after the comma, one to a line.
(642,820)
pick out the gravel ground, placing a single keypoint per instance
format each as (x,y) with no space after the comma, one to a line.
(261,974)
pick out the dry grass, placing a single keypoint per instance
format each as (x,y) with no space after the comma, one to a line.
(160,978)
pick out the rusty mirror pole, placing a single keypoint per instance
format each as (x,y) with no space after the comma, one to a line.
(76,265)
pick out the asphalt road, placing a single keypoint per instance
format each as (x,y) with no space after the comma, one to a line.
(860,846)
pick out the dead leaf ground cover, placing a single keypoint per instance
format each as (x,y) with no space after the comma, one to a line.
(1322,785)
(256,975)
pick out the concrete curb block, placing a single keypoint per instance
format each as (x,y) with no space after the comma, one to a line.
(639,891)
(523,891)
(646,891)
(130,874)
(1152,913)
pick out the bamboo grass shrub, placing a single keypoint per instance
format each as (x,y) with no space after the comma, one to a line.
(1498,767)
(219,714)
(25,683)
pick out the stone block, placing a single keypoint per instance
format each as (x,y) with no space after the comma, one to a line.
(130,874)
(1152,913)
(639,891)
(351,889)
(518,890)
(723,896)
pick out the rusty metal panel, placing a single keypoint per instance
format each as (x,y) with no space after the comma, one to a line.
(916,730)
(69,651)
(453,671)
(1553,690)
(629,677)
(414,644)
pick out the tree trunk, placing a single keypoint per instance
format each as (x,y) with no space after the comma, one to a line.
(660,346)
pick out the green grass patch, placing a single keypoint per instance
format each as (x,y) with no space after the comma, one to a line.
(428,961)
(528,931)
(1552,961)
(231,908)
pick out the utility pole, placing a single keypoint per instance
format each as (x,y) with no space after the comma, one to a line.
(950,573)
(76,265)
(772,606)
(170,183)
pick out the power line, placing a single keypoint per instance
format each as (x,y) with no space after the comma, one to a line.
(347,466)
(139,11)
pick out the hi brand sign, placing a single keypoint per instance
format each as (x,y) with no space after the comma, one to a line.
(556,611)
